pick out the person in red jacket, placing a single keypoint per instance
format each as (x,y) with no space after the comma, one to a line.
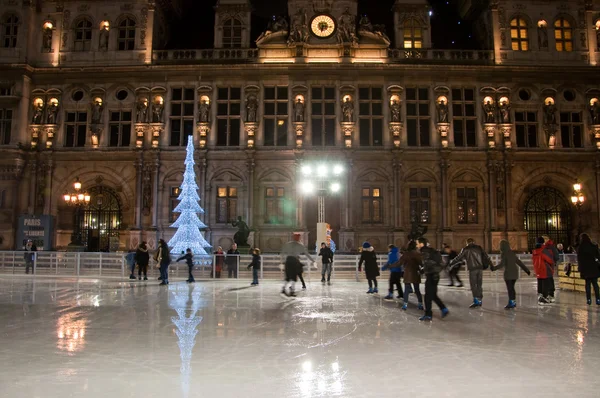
(542,266)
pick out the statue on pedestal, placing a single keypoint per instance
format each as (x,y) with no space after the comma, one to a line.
(241,236)
(395,111)
(348,109)
(251,109)
(299,111)
(505,112)
(141,111)
(442,111)
(38,112)
(203,111)
(52,113)
(157,113)
(490,112)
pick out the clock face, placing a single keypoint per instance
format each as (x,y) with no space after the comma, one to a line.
(322,26)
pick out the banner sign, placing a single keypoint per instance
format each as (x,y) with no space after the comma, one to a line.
(40,229)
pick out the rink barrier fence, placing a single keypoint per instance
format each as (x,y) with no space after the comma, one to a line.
(84,264)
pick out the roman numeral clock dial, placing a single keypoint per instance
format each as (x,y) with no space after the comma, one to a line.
(323,26)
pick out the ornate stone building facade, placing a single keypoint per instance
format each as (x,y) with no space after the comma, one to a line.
(483,144)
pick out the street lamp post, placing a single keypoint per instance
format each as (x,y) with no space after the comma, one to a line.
(77,199)
(577,198)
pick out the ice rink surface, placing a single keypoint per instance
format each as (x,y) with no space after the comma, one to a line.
(110,338)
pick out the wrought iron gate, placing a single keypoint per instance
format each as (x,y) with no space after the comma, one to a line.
(101,219)
(547,212)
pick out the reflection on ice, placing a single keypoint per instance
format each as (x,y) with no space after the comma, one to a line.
(70,330)
(325,381)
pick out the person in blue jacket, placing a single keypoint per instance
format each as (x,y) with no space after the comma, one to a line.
(396,272)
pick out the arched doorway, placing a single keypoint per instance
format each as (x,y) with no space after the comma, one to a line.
(547,212)
(101,219)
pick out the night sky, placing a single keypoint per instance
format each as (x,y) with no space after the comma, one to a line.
(196,29)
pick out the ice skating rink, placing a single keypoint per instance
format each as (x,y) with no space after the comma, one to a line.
(111,338)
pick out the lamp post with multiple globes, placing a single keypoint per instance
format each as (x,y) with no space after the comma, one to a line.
(577,198)
(77,199)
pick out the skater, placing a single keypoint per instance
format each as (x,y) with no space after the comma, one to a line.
(142,258)
(509,261)
(452,271)
(477,260)
(542,266)
(219,261)
(29,256)
(290,257)
(255,265)
(588,259)
(411,261)
(396,272)
(326,262)
(231,260)
(555,257)
(130,260)
(189,260)
(369,258)
(164,259)
(432,266)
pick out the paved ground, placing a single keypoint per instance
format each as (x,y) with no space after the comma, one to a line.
(109,338)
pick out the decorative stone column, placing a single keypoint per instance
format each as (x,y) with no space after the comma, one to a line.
(35,133)
(156,132)
(48,190)
(251,128)
(596,135)
(140,134)
(490,133)
(443,130)
(251,166)
(299,128)
(155,186)
(396,132)
(348,133)
(138,164)
(506,133)
(50,132)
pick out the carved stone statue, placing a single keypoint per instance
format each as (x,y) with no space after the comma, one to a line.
(157,113)
(365,24)
(38,113)
(490,112)
(504,112)
(299,111)
(347,28)
(442,112)
(141,115)
(204,111)
(550,114)
(542,37)
(277,24)
(299,30)
(348,110)
(52,114)
(395,111)
(103,43)
(251,109)
(97,110)
(241,236)
(47,40)
(595,113)
(416,229)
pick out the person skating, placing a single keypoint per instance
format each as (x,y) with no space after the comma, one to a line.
(164,259)
(142,258)
(29,256)
(130,260)
(255,265)
(432,266)
(411,261)
(542,266)
(588,259)
(327,262)
(396,272)
(552,251)
(477,260)
(452,272)
(189,259)
(511,263)
(231,260)
(290,257)
(369,258)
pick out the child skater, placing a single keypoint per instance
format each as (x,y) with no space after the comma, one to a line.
(189,259)
(509,261)
(411,261)
(369,257)
(255,265)
(396,272)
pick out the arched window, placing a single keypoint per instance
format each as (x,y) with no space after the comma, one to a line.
(519,34)
(83,35)
(126,35)
(10,29)
(232,33)
(413,34)
(563,35)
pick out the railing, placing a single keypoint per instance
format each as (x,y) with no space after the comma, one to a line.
(443,56)
(115,265)
(210,55)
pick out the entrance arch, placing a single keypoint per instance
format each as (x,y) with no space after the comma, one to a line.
(101,219)
(547,212)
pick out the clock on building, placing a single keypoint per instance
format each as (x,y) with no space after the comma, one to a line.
(323,26)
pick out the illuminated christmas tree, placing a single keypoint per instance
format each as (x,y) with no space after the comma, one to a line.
(188,224)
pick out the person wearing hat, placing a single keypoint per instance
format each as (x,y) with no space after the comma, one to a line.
(369,258)
(542,266)
(290,257)
(29,257)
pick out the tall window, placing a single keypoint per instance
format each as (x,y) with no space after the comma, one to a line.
(275,205)
(372,206)
(466,200)
(323,116)
(519,35)
(371,116)
(182,115)
(76,129)
(571,129)
(5,91)
(276,116)
(226,204)
(417,116)
(228,116)
(5,126)
(464,118)
(126,41)
(120,128)
(413,34)
(173,202)
(10,30)
(527,129)
(419,205)
(232,33)
(83,35)
(563,35)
